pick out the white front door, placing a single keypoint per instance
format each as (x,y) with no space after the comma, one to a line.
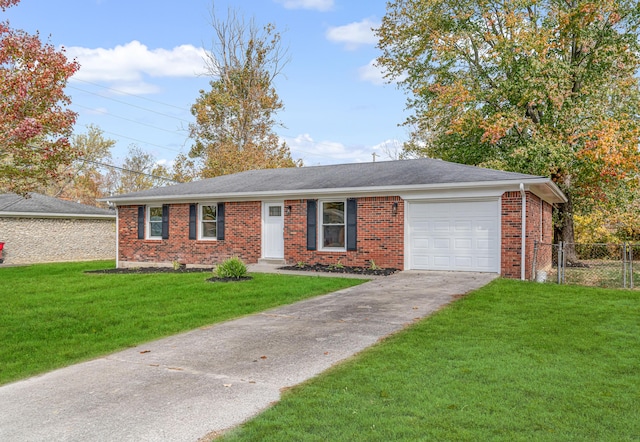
(273,230)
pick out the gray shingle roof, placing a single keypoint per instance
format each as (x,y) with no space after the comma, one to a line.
(342,176)
(10,203)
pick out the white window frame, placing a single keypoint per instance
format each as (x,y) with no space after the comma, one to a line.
(148,222)
(321,225)
(200,220)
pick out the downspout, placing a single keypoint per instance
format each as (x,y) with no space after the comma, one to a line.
(117,239)
(523,235)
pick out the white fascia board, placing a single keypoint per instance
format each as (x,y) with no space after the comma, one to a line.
(54,215)
(332,193)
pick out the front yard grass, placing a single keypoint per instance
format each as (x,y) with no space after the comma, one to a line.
(54,315)
(512,361)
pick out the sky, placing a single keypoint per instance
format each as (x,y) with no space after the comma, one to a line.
(142,67)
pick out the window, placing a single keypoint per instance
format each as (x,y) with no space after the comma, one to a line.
(275,211)
(333,224)
(154,220)
(208,221)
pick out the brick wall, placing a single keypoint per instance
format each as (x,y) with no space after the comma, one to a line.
(37,240)
(242,238)
(538,228)
(380,235)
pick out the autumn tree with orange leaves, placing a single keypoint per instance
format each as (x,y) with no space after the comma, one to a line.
(546,87)
(235,120)
(35,123)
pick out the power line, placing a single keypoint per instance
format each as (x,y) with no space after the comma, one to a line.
(130,94)
(129,104)
(98,163)
(129,119)
(136,140)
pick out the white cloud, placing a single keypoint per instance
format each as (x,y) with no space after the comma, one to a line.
(318,5)
(354,34)
(371,73)
(128,64)
(315,153)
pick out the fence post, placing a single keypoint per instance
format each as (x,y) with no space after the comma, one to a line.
(631,266)
(624,265)
(535,258)
(560,266)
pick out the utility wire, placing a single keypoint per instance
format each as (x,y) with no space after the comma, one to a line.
(131,95)
(98,163)
(130,120)
(129,104)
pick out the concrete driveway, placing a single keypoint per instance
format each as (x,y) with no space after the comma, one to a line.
(187,386)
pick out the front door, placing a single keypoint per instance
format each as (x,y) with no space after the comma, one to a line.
(273,238)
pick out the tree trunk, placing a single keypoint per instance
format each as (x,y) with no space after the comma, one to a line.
(566,231)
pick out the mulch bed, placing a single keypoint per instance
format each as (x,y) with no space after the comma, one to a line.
(341,269)
(182,269)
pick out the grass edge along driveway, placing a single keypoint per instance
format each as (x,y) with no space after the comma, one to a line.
(54,315)
(512,361)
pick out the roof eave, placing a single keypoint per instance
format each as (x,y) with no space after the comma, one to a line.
(553,192)
(55,215)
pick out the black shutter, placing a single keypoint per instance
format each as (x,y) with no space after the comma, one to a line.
(140,222)
(193,210)
(352,221)
(165,221)
(220,221)
(312,224)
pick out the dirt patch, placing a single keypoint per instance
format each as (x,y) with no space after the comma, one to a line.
(242,278)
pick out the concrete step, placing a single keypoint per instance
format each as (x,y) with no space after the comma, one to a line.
(274,261)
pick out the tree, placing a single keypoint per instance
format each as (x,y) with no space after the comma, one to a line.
(234,124)
(546,87)
(140,171)
(34,121)
(87,178)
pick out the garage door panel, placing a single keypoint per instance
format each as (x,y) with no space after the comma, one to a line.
(463,261)
(441,226)
(441,243)
(463,243)
(454,236)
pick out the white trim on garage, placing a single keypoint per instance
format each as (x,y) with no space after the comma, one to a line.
(453,234)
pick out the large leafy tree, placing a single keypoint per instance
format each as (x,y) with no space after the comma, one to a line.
(235,120)
(140,171)
(547,87)
(88,177)
(34,121)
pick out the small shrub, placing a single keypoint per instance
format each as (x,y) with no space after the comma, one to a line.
(337,266)
(373,265)
(301,264)
(177,265)
(231,268)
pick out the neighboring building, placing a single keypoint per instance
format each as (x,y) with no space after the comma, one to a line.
(411,214)
(45,229)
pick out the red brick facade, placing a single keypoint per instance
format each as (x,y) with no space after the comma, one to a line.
(242,237)
(380,235)
(538,225)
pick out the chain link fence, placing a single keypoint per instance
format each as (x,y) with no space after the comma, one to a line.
(600,265)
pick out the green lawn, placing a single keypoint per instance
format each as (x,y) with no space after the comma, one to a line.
(54,315)
(513,361)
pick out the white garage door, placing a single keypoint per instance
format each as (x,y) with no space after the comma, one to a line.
(460,236)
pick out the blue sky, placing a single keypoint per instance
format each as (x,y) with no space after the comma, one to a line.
(141,61)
